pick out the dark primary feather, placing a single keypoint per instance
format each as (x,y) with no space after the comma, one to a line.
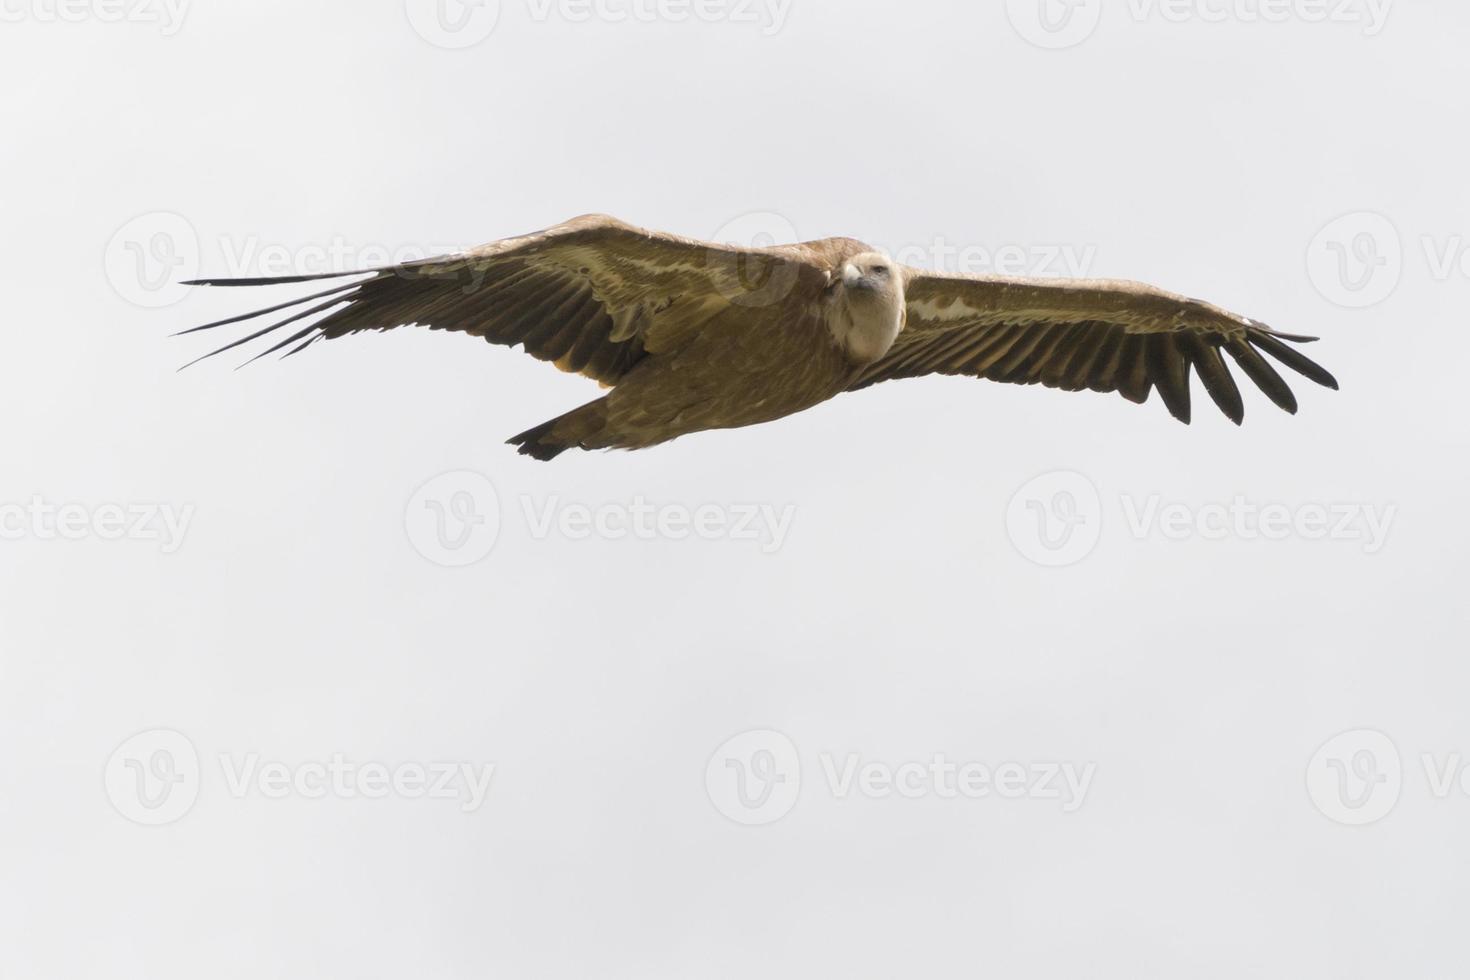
(1260,371)
(1170,374)
(1216,376)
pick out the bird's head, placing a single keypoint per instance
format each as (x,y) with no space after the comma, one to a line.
(873,286)
(872,276)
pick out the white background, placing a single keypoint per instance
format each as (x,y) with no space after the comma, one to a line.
(899,618)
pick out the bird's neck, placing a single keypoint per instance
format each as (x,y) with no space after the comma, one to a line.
(865,329)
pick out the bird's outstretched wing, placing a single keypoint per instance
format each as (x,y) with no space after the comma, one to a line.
(1076,335)
(592,295)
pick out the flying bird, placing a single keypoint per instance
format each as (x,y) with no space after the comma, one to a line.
(692,335)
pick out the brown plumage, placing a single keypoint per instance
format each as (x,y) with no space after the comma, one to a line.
(693,335)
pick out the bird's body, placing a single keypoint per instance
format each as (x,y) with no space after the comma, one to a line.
(729,365)
(692,336)
(737,369)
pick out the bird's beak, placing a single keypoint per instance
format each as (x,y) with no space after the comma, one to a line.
(852,276)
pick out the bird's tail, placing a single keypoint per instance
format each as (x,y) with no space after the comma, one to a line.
(570,431)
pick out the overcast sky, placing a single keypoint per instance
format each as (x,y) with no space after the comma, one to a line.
(304,673)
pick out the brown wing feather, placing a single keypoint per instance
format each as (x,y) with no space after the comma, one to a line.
(1100,335)
(591,296)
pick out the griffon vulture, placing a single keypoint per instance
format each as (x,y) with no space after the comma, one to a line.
(693,335)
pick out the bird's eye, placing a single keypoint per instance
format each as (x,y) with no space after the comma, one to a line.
(880,270)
